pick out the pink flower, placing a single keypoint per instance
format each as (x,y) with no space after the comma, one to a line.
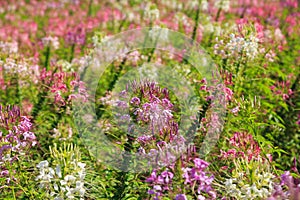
(228,93)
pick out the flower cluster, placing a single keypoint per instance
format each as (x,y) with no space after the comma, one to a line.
(282,89)
(194,176)
(66,179)
(21,67)
(163,153)
(222,4)
(288,188)
(244,146)
(50,41)
(147,115)
(9,47)
(160,183)
(16,137)
(156,112)
(64,86)
(250,180)
(151,13)
(151,107)
(197,177)
(238,47)
(76,36)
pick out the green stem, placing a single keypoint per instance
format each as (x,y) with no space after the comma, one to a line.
(41,98)
(60,115)
(117,74)
(194,35)
(72,53)
(153,49)
(47,57)
(212,34)
(218,14)
(197,122)
(239,72)
(196,22)
(38,106)
(11,178)
(147,36)
(18,96)
(90,8)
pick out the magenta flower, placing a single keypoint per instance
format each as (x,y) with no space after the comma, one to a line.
(201,164)
(166,177)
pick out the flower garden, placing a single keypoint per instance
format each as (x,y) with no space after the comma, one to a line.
(163,100)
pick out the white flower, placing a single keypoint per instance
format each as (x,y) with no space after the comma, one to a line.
(95,40)
(70,192)
(50,41)
(69,178)
(66,66)
(81,175)
(46,174)
(208,28)
(9,47)
(80,187)
(251,47)
(43,164)
(151,14)
(200,197)
(238,45)
(222,4)
(20,67)
(204,5)
(81,165)
(55,186)
(160,34)
(58,171)
(278,35)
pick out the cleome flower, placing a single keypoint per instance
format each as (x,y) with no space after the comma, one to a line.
(250,180)
(67,180)
(16,138)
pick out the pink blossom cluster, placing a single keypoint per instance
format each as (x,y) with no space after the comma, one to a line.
(282,89)
(16,137)
(195,175)
(243,146)
(160,183)
(153,108)
(64,86)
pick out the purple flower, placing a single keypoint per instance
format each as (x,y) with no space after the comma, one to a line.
(180,197)
(153,177)
(201,164)
(286,178)
(167,103)
(122,104)
(135,100)
(16,138)
(147,106)
(157,187)
(156,191)
(144,139)
(166,177)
